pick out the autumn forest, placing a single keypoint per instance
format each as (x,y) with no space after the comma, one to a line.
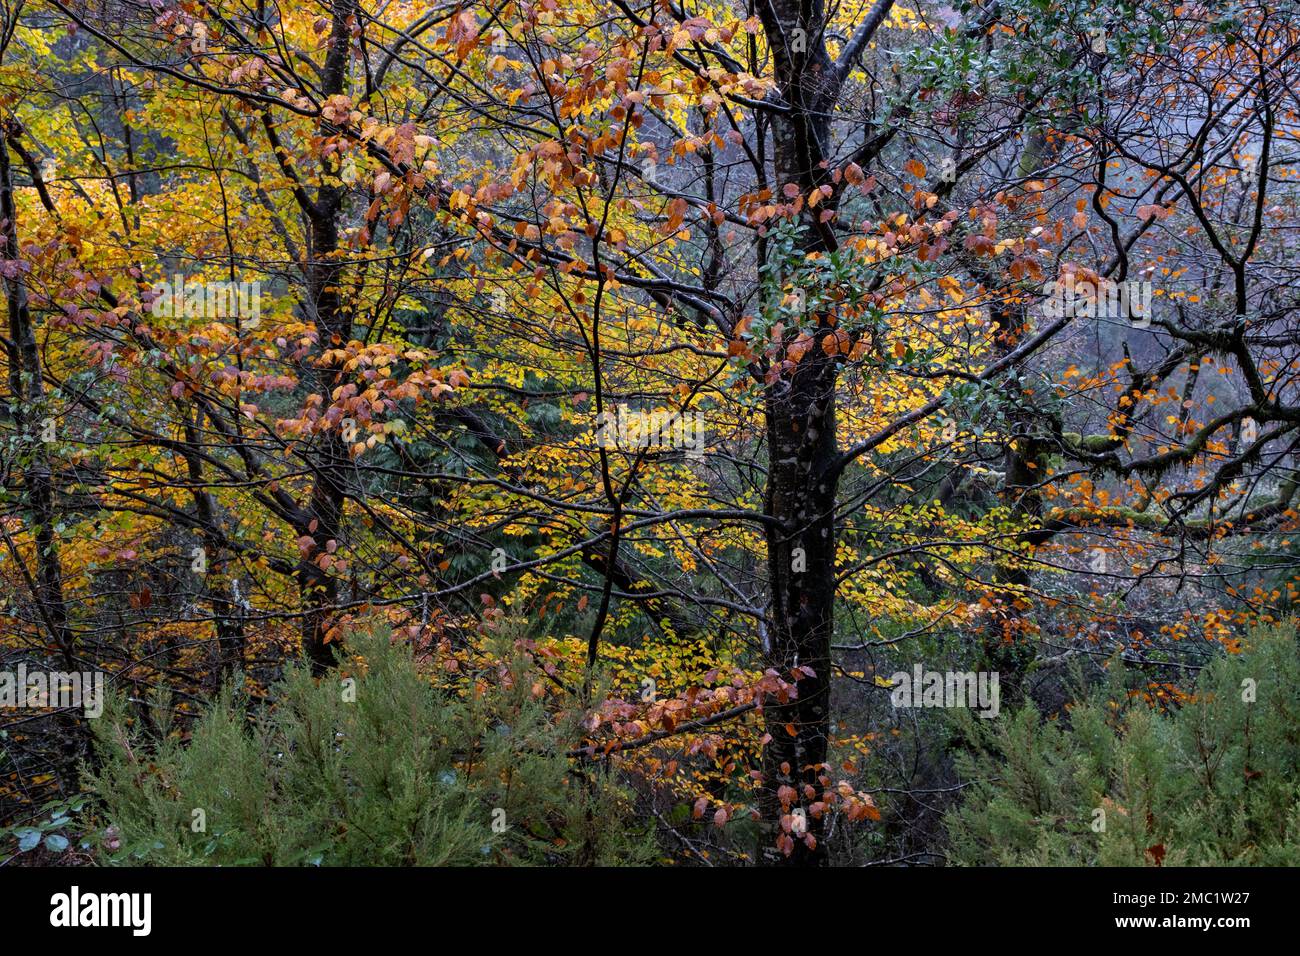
(692,433)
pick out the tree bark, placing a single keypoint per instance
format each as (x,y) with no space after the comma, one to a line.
(28,392)
(802,484)
(330,462)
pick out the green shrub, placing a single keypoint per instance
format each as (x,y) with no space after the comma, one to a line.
(1213,780)
(405,773)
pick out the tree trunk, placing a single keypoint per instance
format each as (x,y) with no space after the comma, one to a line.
(330,461)
(28,393)
(801,494)
(801,484)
